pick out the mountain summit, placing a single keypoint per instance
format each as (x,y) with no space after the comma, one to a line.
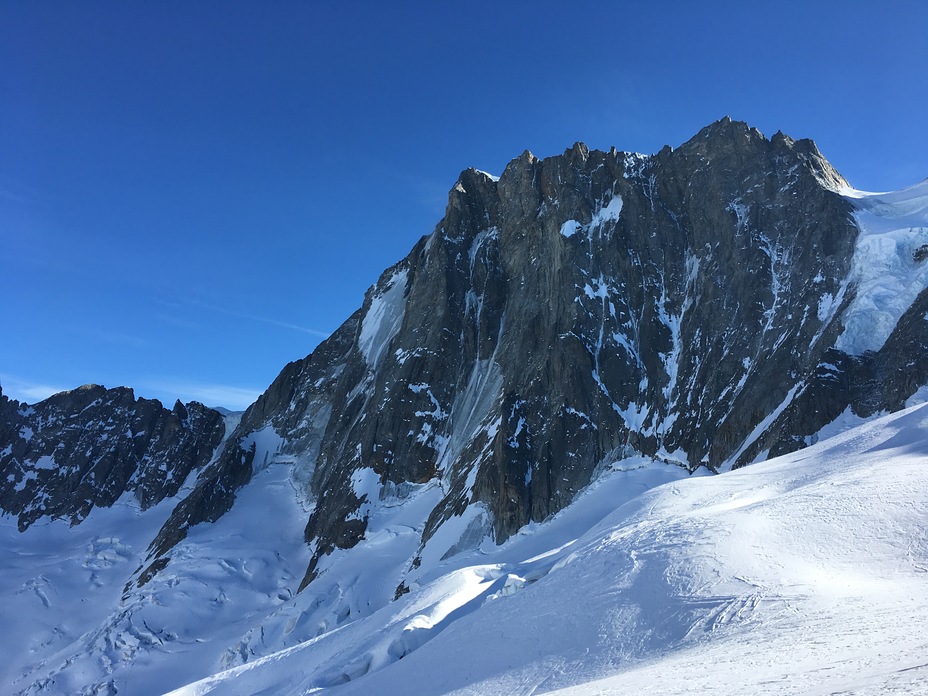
(704,307)
(578,311)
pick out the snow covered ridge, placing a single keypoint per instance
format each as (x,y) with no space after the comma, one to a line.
(889,269)
(811,568)
(86,447)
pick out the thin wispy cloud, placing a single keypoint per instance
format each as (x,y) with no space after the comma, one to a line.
(275,322)
(234,398)
(18,192)
(9,195)
(247,316)
(282,324)
(27,390)
(177,321)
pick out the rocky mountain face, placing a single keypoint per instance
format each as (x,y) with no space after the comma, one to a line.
(574,312)
(706,306)
(85,448)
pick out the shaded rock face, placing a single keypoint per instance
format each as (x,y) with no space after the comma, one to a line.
(578,310)
(84,448)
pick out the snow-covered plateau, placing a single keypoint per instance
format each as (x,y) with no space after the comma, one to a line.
(803,574)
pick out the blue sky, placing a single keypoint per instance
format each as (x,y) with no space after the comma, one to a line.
(194,194)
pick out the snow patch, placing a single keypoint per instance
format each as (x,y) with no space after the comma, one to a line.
(609,213)
(469,411)
(634,164)
(847,420)
(919,397)
(605,214)
(570,228)
(761,427)
(267,444)
(46,462)
(457,534)
(365,483)
(826,307)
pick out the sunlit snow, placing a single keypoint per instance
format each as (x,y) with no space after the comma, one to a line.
(804,574)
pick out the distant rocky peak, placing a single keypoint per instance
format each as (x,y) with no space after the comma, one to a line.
(87,447)
(578,153)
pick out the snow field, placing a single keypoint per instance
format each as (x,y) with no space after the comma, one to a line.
(805,574)
(384,319)
(194,617)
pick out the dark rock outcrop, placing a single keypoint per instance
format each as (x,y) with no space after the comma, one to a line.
(85,448)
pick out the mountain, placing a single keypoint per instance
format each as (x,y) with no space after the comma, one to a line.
(582,309)
(574,321)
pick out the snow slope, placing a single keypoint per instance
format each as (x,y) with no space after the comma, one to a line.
(74,626)
(59,582)
(804,574)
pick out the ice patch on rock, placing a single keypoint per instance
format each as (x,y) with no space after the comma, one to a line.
(609,213)
(919,397)
(383,319)
(605,214)
(570,228)
(886,269)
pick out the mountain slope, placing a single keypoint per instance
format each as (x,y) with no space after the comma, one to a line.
(804,574)
(686,306)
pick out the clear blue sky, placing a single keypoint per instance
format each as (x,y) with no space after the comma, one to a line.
(193,194)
